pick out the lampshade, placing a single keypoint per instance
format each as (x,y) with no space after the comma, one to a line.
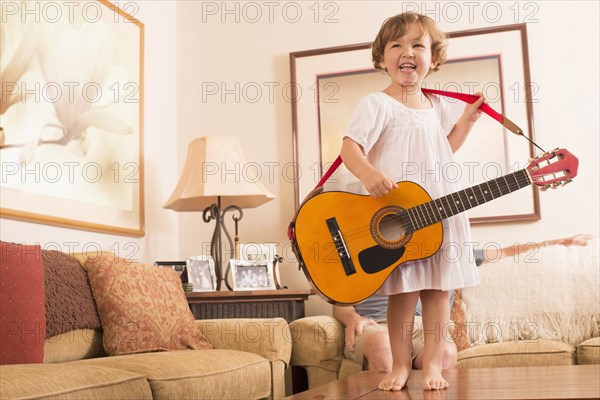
(216,166)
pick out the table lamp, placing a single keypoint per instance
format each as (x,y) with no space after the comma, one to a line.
(212,182)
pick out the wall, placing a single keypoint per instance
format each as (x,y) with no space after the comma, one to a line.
(160,149)
(206,60)
(233,66)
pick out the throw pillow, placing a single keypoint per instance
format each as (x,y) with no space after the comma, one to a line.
(22,318)
(142,307)
(548,293)
(459,333)
(69,300)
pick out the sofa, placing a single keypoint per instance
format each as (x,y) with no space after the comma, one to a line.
(539,308)
(102,341)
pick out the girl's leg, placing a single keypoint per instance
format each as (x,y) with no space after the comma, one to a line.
(400,314)
(448,361)
(436,317)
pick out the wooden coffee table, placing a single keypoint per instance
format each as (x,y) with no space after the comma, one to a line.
(559,382)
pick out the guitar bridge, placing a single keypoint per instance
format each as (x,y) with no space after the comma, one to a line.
(340,246)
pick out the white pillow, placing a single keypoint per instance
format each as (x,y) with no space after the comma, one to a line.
(546,293)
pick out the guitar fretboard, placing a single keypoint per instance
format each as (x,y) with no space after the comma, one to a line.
(436,210)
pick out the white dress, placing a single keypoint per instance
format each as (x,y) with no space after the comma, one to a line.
(411,145)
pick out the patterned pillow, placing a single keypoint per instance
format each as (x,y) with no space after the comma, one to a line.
(142,307)
(459,333)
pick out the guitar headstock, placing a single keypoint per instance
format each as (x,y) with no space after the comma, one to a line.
(553,169)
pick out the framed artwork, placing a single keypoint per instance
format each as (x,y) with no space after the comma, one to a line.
(328,83)
(71,117)
(201,273)
(252,276)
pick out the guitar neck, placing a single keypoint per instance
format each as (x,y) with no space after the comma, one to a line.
(455,203)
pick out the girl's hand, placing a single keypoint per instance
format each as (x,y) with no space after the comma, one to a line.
(377,183)
(472,111)
(581,239)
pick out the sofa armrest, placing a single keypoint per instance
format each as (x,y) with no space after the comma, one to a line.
(318,342)
(267,337)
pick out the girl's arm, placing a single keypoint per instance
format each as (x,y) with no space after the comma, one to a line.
(463,126)
(375,181)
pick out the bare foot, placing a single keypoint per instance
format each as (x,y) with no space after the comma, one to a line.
(395,379)
(433,379)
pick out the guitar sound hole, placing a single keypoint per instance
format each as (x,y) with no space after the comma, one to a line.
(388,227)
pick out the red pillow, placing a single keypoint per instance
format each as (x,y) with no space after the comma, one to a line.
(22,304)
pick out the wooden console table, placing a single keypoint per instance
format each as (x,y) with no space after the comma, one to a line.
(283,303)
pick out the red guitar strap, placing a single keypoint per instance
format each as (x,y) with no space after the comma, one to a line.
(467,98)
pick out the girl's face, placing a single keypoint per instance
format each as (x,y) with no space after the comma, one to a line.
(408,58)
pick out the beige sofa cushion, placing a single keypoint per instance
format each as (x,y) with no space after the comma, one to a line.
(74,345)
(517,354)
(71,382)
(196,374)
(327,333)
(588,352)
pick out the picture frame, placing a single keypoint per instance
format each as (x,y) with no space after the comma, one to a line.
(72,131)
(257,252)
(260,253)
(201,273)
(178,266)
(252,276)
(327,83)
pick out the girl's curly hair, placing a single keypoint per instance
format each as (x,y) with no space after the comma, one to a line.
(395,27)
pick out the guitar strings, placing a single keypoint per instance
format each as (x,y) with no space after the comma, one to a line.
(425,217)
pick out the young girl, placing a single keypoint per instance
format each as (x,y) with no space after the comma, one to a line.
(395,128)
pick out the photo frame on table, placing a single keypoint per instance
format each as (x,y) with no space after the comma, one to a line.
(260,253)
(177,266)
(257,252)
(201,273)
(72,120)
(327,84)
(252,276)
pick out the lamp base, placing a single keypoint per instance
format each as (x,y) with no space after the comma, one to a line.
(214,212)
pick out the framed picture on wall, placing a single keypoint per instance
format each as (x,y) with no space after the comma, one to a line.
(492,60)
(71,147)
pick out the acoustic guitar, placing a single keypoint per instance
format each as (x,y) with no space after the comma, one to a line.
(348,244)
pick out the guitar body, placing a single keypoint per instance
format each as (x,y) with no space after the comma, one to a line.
(368,234)
(348,244)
